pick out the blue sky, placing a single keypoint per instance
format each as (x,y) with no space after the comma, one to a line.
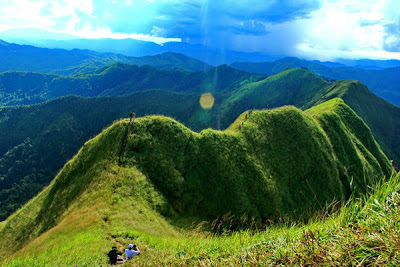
(317,29)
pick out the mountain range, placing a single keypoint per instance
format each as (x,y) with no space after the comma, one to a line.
(31,135)
(382,81)
(60,61)
(194,183)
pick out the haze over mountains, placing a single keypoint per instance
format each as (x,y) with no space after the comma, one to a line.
(385,82)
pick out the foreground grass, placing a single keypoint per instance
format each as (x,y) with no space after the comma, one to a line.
(365,232)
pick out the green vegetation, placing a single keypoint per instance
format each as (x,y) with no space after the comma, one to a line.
(17,88)
(384,83)
(36,141)
(292,87)
(149,183)
(382,117)
(304,89)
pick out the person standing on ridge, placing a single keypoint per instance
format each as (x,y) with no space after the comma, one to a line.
(132,117)
(131,251)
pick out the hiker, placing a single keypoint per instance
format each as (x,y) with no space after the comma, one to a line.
(113,255)
(131,251)
(132,117)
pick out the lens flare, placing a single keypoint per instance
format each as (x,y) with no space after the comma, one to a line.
(207,101)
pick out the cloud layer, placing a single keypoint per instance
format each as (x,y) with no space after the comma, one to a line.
(323,29)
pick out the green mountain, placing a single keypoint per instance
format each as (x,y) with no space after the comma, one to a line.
(304,89)
(384,83)
(16,57)
(32,150)
(25,88)
(147,180)
(37,140)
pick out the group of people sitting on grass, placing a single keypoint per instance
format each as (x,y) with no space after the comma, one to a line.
(115,256)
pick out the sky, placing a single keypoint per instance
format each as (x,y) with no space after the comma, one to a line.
(312,29)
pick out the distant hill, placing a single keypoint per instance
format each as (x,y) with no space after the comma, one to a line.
(60,61)
(22,88)
(139,182)
(31,136)
(133,48)
(385,82)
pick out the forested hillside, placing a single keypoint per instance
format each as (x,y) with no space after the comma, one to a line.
(25,88)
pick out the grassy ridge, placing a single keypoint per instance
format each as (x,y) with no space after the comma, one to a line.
(382,117)
(136,184)
(304,89)
(295,87)
(383,82)
(36,141)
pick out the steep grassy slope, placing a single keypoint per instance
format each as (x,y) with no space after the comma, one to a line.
(141,182)
(382,117)
(384,83)
(295,87)
(304,89)
(17,88)
(37,140)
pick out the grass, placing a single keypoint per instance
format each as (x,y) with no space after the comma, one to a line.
(363,232)
(187,198)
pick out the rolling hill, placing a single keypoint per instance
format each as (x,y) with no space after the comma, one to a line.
(146,181)
(383,82)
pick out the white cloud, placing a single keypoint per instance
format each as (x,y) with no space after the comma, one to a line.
(347,28)
(23,13)
(350,28)
(62,17)
(88,32)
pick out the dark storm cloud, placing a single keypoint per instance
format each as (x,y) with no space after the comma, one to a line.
(208,18)
(269,11)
